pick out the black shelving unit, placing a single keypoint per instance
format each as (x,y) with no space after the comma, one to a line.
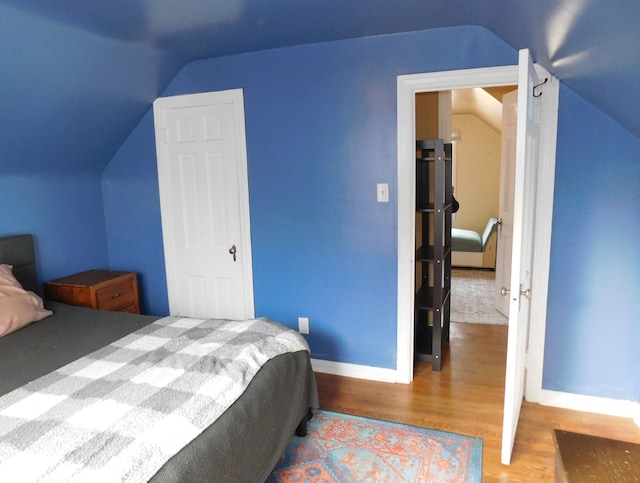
(433,250)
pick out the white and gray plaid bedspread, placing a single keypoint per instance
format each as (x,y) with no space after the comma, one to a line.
(120,413)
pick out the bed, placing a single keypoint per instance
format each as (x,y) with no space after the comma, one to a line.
(472,249)
(242,445)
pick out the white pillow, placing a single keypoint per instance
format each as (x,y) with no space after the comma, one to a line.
(18,307)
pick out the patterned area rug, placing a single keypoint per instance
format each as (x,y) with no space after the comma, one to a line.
(472,297)
(340,448)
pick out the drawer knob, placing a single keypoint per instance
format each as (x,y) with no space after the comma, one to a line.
(115,295)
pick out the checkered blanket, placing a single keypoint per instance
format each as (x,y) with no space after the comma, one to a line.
(120,413)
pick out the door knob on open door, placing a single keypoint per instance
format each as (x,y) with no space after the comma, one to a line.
(504,291)
(233,250)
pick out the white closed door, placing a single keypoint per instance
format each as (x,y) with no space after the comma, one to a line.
(507,183)
(204,197)
(520,294)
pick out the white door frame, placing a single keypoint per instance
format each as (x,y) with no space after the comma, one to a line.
(407,87)
(235,97)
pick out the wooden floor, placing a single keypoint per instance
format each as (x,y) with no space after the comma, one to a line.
(466,397)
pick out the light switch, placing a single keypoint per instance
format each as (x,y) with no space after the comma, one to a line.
(383,192)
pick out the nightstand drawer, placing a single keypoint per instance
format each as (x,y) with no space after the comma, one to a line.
(115,296)
(99,289)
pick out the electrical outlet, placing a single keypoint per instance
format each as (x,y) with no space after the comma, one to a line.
(303,325)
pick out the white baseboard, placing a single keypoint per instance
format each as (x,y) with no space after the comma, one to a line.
(354,370)
(591,404)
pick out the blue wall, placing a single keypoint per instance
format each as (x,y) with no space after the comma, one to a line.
(593,329)
(65,111)
(132,216)
(321,132)
(63,106)
(64,212)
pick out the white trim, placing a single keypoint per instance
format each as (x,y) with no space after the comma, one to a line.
(353,370)
(542,237)
(406,227)
(591,404)
(407,87)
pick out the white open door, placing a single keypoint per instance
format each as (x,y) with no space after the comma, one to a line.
(204,200)
(519,291)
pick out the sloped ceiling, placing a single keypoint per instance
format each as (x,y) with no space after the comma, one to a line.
(480,103)
(77,75)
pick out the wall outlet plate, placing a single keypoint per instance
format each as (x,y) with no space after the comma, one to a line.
(303,325)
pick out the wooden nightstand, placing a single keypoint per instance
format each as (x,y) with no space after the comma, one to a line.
(98,289)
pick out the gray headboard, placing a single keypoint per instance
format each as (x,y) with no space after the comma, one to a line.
(17,250)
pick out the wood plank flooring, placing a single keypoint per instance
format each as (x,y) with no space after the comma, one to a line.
(466,397)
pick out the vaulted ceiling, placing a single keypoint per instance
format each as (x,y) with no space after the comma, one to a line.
(76,74)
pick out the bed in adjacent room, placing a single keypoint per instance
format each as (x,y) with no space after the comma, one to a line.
(472,249)
(143,398)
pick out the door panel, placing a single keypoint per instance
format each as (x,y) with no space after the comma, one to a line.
(522,250)
(204,200)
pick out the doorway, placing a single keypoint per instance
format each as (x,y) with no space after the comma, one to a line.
(471,119)
(408,86)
